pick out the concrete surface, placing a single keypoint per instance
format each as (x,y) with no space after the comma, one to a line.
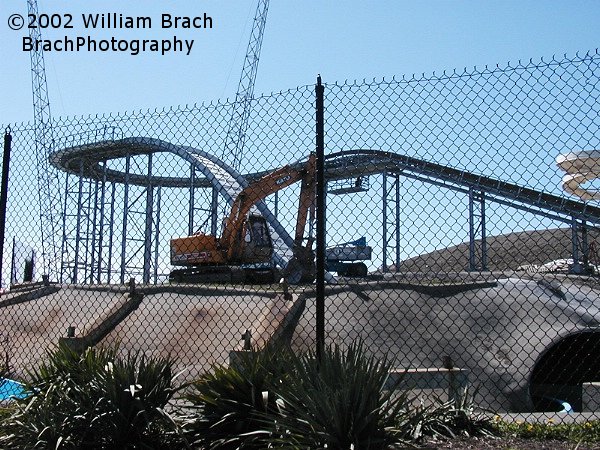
(35,326)
(199,328)
(591,397)
(497,331)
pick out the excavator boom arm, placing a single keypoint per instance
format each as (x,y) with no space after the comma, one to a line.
(307,200)
(262,188)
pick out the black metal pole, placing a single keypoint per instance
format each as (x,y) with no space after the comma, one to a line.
(4,190)
(320,217)
(12,262)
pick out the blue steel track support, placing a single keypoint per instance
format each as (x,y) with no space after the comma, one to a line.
(95,242)
(102,213)
(477,229)
(78,229)
(214,219)
(391,198)
(192,204)
(210,202)
(63,248)
(585,248)
(110,233)
(157,233)
(125,213)
(148,227)
(576,268)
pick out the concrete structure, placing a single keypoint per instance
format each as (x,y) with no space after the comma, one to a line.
(517,339)
(590,397)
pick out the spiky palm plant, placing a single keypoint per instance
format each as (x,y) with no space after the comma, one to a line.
(337,401)
(445,419)
(98,399)
(230,403)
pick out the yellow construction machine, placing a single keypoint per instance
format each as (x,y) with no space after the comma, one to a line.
(244,251)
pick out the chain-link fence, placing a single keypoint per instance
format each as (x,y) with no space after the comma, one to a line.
(449,243)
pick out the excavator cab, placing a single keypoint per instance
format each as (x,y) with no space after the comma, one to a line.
(256,245)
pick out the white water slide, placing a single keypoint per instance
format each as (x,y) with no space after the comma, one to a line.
(581,167)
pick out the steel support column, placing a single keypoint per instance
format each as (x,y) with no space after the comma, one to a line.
(192,201)
(78,222)
(585,248)
(148,227)
(576,267)
(214,212)
(391,198)
(111,233)
(157,233)
(477,230)
(101,225)
(125,212)
(63,247)
(94,243)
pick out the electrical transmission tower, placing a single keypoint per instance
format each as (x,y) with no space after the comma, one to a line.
(238,124)
(236,134)
(49,197)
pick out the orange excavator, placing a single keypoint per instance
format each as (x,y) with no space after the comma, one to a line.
(244,251)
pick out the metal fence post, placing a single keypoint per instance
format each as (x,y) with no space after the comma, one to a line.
(4,191)
(320,218)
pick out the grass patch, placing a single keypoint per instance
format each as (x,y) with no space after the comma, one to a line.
(585,432)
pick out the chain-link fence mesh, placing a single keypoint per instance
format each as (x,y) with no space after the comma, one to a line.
(452,247)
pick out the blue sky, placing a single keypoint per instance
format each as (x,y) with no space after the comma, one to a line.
(340,40)
(344,40)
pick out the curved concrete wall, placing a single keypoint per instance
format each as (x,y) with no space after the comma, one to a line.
(498,334)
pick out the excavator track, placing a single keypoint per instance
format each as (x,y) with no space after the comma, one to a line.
(225,275)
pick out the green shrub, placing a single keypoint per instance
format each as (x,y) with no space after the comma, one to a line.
(337,401)
(275,399)
(444,419)
(98,399)
(230,403)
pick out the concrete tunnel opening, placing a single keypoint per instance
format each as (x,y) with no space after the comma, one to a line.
(560,372)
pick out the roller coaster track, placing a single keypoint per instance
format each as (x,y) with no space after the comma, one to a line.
(88,160)
(355,163)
